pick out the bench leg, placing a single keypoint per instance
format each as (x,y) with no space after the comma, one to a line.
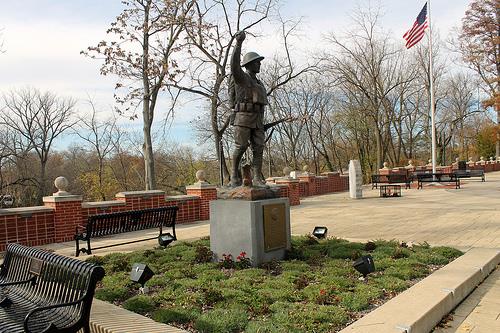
(77,245)
(89,250)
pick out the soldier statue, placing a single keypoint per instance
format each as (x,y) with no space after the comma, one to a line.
(250,99)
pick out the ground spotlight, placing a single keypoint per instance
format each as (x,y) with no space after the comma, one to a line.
(165,239)
(141,273)
(320,232)
(364,265)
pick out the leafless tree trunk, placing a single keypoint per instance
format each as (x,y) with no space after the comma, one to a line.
(98,134)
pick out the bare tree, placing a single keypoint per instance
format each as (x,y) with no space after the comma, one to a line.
(480,47)
(458,107)
(366,64)
(98,134)
(145,37)
(211,40)
(38,119)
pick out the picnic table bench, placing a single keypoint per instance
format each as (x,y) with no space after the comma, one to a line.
(101,225)
(442,177)
(42,292)
(470,174)
(391,179)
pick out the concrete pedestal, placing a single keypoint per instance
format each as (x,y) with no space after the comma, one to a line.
(259,228)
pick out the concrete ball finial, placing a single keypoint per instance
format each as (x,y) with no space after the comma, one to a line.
(61,183)
(305,168)
(386,165)
(201,175)
(481,158)
(286,171)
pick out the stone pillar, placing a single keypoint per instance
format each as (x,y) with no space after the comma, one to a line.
(205,191)
(410,167)
(355,180)
(67,211)
(385,170)
(310,179)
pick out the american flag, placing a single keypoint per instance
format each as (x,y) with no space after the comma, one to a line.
(416,33)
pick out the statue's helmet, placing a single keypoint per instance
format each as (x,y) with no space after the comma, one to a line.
(249,57)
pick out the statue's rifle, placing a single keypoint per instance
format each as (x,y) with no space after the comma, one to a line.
(274,123)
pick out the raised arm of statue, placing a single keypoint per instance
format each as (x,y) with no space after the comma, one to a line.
(236,70)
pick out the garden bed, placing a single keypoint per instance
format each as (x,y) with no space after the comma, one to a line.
(314,290)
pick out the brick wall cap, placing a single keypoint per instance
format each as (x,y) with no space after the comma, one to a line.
(329,173)
(287,180)
(181,197)
(99,204)
(307,176)
(201,185)
(63,198)
(21,210)
(322,177)
(278,185)
(139,193)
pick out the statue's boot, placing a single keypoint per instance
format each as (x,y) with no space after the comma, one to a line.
(257,172)
(235,174)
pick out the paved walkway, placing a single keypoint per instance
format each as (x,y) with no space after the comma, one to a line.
(465,218)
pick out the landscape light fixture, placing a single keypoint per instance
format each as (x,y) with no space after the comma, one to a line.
(141,273)
(364,265)
(320,232)
(165,239)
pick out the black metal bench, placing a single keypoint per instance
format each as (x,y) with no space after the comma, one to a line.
(470,174)
(438,178)
(391,179)
(44,292)
(116,223)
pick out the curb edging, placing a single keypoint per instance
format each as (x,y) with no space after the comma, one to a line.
(420,308)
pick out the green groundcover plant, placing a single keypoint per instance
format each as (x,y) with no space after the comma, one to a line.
(314,290)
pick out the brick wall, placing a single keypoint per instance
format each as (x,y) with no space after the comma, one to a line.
(189,207)
(303,188)
(293,190)
(206,193)
(321,185)
(57,219)
(32,226)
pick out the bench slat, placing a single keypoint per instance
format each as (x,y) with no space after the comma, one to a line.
(61,280)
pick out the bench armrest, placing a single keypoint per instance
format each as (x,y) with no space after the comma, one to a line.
(32,280)
(50,307)
(80,227)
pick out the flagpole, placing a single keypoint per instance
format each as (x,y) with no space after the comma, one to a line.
(431,87)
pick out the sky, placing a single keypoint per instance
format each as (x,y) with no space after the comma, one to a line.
(42,40)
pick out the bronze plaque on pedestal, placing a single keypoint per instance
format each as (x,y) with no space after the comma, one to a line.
(274,227)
